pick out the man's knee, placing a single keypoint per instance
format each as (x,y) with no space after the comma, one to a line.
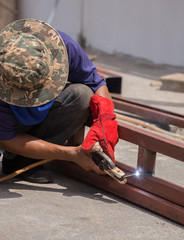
(81,94)
(81,90)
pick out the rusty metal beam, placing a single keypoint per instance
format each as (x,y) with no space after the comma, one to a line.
(148,112)
(146,161)
(157,186)
(148,191)
(155,194)
(129,192)
(151,141)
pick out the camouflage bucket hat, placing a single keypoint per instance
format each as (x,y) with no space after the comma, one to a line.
(33,63)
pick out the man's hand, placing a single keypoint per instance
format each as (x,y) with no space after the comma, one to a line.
(104,128)
(84,159)
(31,147)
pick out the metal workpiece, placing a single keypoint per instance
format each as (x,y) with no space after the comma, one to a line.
(142,188)
(148,112)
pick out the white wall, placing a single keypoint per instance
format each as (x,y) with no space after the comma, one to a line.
(67,15)
(151,29)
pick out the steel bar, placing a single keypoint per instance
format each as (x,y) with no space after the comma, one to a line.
(151,141)
(157,186)
(148,191)
(127,191)
(145,124)
(146,161)
(153,193)
(149,112)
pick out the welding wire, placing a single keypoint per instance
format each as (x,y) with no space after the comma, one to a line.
(14,174)
(130,175)
(146,125)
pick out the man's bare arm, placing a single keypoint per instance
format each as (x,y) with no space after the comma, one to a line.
(32,147)
(104,92)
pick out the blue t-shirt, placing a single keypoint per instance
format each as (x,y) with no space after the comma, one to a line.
(31,115)
(81,70)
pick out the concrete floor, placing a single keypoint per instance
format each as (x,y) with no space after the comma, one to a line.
(68,209)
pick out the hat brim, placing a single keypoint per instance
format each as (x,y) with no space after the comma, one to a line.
(59,66)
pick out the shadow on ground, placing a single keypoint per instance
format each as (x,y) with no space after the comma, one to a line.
(68,187)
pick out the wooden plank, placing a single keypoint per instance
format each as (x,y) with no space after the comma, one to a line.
(175,77)
(173,82)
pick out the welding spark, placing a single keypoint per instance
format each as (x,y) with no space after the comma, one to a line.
(137,173)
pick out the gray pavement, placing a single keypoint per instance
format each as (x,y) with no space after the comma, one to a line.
(69,209)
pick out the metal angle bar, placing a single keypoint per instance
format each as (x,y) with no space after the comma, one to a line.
(151,141)
(146,161)
(128,192)
(155,194)
(157,186)
(151,113)
(114,97)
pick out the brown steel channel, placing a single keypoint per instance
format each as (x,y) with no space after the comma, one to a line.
(148,112)
(150,142)
(155,194)
(128,191)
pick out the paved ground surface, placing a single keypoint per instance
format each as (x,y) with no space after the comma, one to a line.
(68,209)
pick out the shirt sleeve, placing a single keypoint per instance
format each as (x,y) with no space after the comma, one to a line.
(7,122)
(81,69)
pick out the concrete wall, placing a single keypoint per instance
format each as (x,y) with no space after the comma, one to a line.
(151,29)
(7,12)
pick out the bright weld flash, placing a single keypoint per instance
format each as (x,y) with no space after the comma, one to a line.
(137,173)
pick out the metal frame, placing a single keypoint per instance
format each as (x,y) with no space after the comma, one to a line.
(150,113)
(148,191)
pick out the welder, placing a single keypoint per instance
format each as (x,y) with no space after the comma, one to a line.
(49,89)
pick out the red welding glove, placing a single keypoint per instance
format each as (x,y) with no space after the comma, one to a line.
(104,128)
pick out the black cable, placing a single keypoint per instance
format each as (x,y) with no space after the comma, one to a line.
(100,118)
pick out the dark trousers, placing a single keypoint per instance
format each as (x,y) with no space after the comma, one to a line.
(68,114)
